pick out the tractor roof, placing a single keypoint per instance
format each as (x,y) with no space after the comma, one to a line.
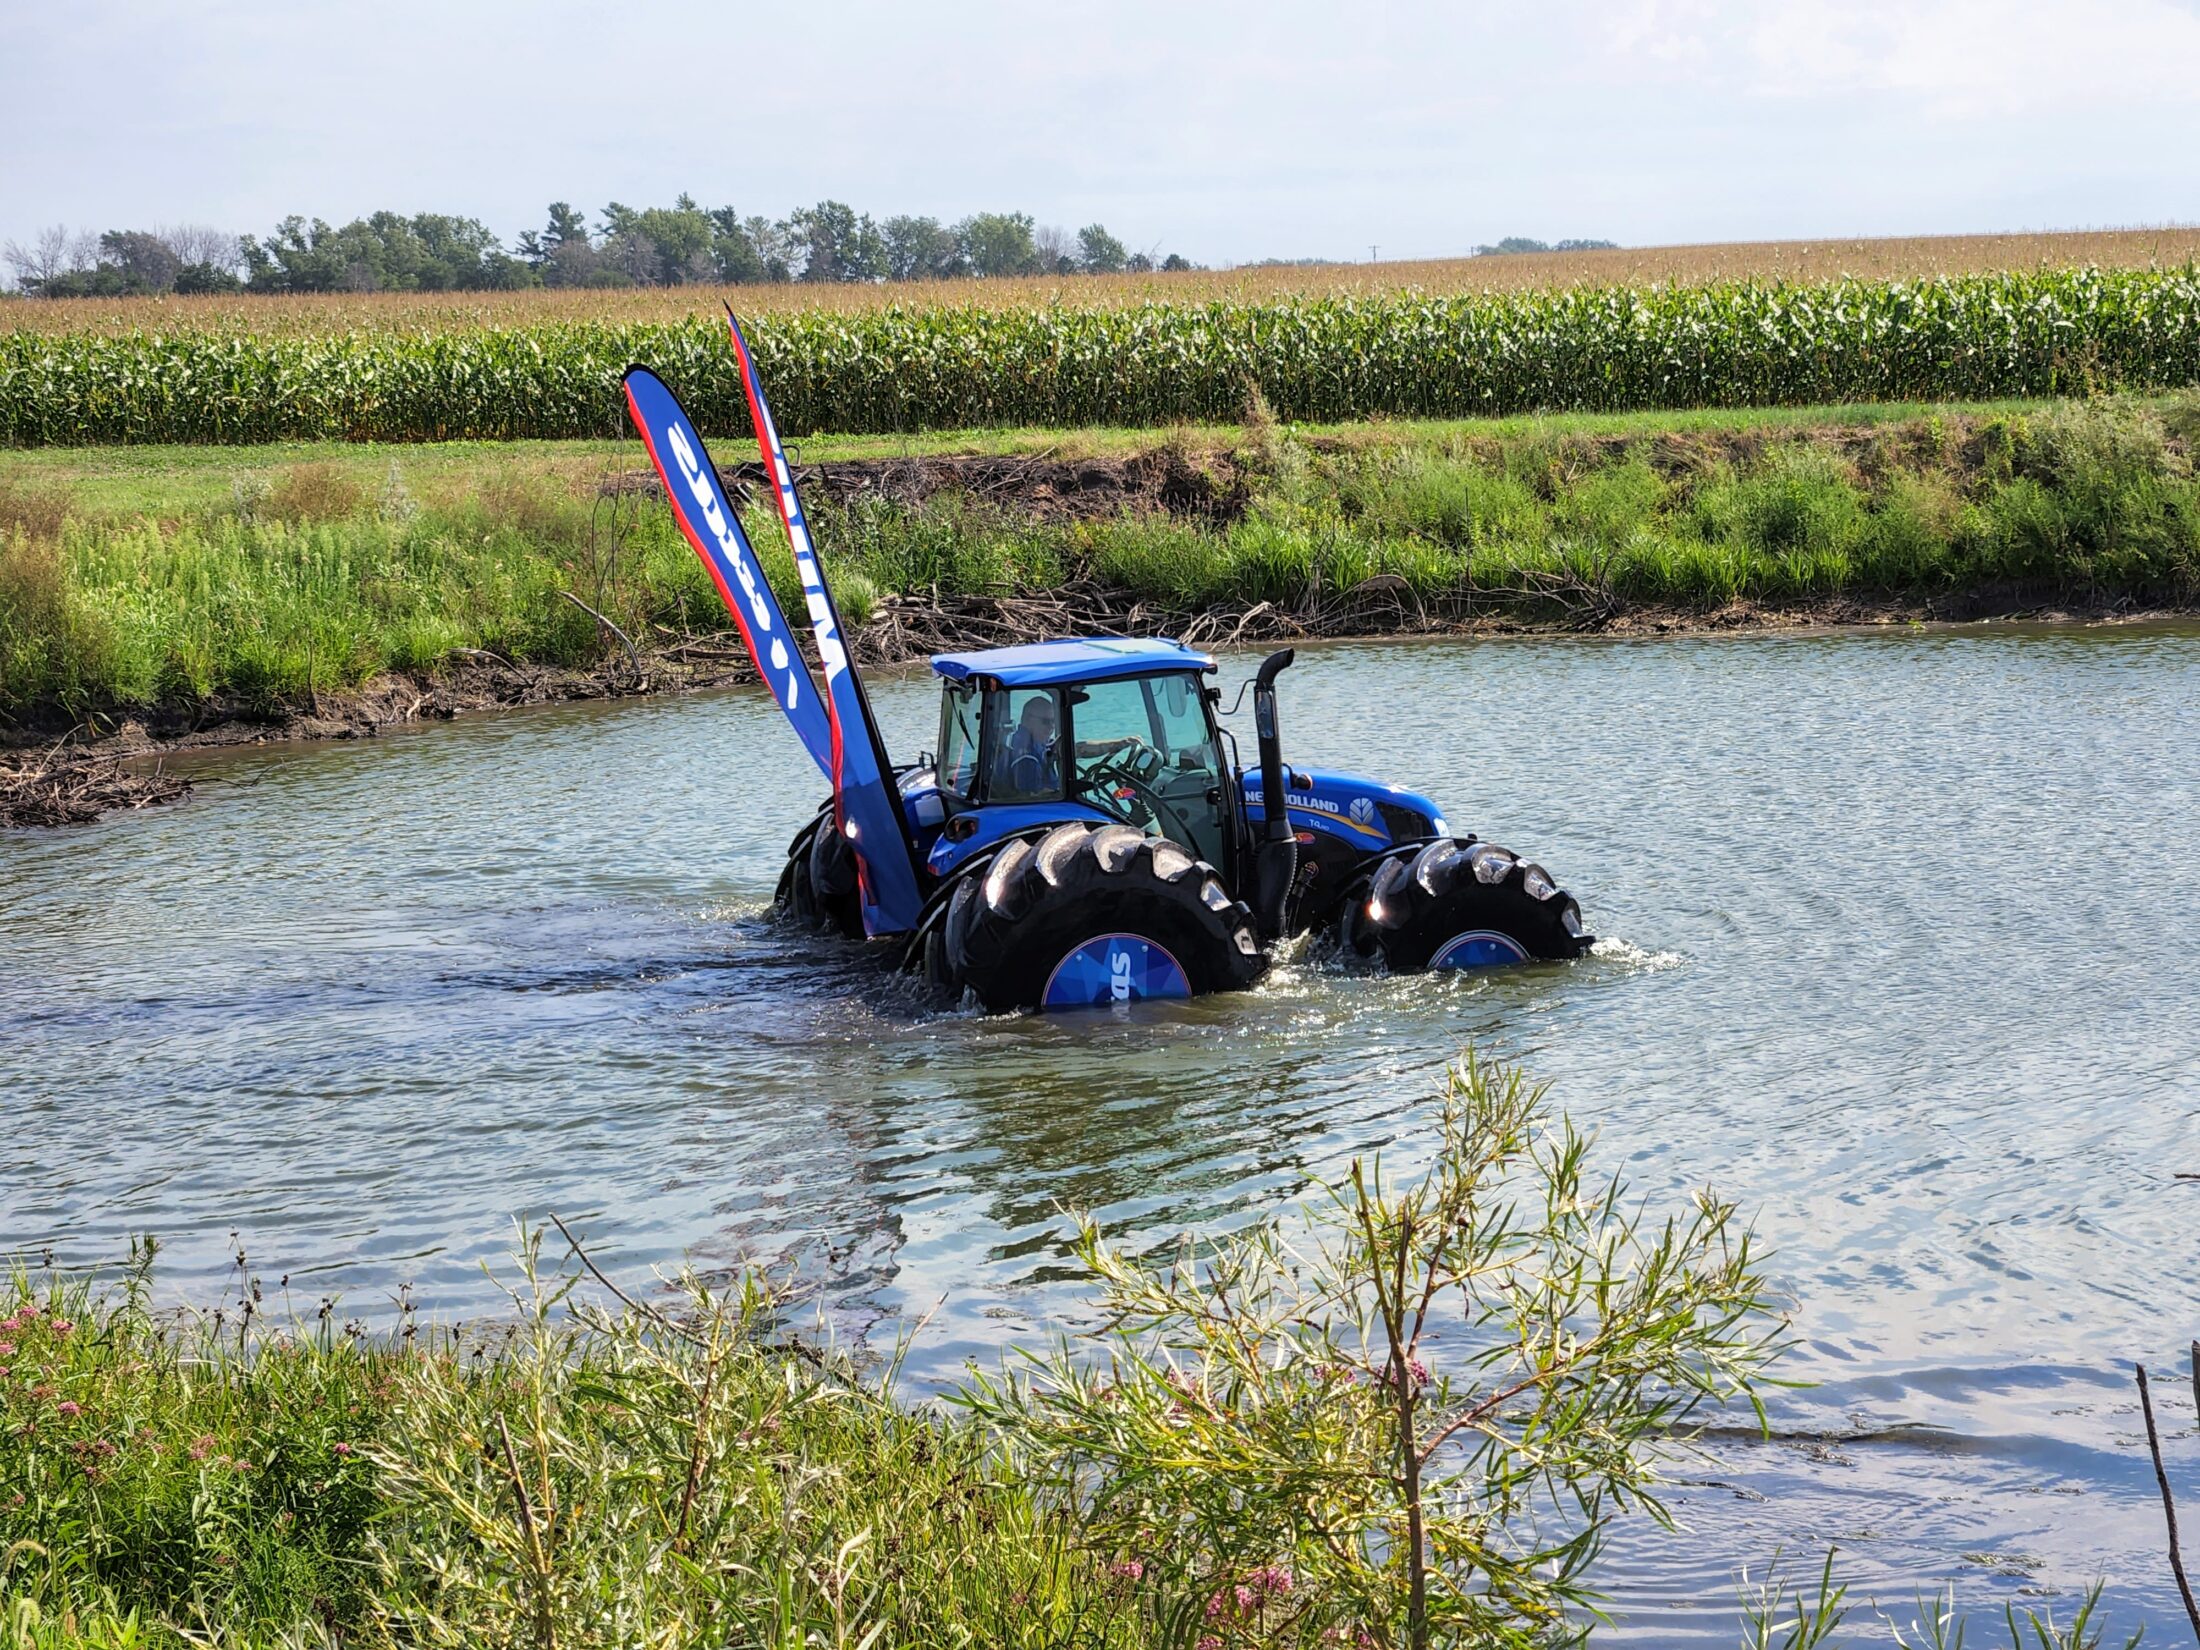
(1050,664)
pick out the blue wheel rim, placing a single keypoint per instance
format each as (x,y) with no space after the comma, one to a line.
(1115,968)
(1479,948)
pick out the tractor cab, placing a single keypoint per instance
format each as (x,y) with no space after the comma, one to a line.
(1116,731)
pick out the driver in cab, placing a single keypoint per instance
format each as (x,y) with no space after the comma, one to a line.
(1028,765)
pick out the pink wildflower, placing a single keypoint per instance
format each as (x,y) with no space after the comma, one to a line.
(61,1326)
(7,1349)
(70,1409)
(1129,1570)
(341,1449)
(202,1446)
(1208,1641)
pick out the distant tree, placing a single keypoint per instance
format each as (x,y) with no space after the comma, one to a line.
(53,253)
(297,257)
(197,243)
(1175,262)
(206,277)
(1055,250)
(429,252)
(1098,252)
(146,261)
(625,249)
(837,244)
(561,254)
(565,227)
(1139,263)
(1587,246)
(733,252)
(655,246)
(778,244)
(921,249)
(998,243)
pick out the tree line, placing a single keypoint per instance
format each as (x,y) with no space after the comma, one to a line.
(672,245)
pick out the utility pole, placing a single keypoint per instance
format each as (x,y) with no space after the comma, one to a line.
(1371,254)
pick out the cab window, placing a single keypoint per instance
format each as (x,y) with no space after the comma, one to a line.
(1025,726)
(958,766)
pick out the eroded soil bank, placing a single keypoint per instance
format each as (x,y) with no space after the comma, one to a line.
(72,775)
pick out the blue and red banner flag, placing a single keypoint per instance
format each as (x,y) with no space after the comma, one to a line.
(707,517)
(866,803)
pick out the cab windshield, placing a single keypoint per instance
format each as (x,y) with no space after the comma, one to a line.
(1145,752)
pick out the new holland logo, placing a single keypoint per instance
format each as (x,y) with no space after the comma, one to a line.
(1362,809)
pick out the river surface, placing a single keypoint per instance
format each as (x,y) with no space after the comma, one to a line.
(1901,950)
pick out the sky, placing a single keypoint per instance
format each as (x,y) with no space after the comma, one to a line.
(1226,132)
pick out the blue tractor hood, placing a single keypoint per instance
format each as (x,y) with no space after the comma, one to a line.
(1350,807)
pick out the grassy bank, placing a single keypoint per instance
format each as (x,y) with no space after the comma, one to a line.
(1403,355)
(188,583)
(1405,1420)
(683,1469)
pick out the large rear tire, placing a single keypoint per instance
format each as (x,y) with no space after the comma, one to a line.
(1090,915)
(1459,903)
(817,886)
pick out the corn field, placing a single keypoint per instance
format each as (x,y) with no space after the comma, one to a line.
(2044,332)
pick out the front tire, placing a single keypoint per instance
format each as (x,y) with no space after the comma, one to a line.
(1459,903)
(1092,915)
(817,886)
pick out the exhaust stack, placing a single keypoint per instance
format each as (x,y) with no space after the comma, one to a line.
(1276,860)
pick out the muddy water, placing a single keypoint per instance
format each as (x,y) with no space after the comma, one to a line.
(1901,952)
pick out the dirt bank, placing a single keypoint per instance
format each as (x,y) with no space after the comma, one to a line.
(1208,487)
(76,776)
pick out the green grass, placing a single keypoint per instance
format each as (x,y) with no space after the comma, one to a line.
(1217,1470)
(171,479)
(260,1484)
(204,579)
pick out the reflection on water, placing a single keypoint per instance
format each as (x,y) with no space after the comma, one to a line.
(1900,953)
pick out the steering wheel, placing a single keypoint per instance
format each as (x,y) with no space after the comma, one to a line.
(1136,769)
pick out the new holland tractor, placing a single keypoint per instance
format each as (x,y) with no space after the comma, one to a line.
(1086,832)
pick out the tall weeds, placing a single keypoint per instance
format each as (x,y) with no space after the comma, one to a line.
(1401,1417)
(269,601)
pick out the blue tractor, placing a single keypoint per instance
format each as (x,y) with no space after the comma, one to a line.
(1088,835)
(1086,832)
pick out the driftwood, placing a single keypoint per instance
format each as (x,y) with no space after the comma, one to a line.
(2161,1478)
(60,786)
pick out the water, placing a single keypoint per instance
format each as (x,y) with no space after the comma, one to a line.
(1900,952)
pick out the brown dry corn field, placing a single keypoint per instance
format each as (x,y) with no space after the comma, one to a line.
(1814,260)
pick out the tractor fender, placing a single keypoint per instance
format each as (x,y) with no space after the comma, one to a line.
(989,827)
